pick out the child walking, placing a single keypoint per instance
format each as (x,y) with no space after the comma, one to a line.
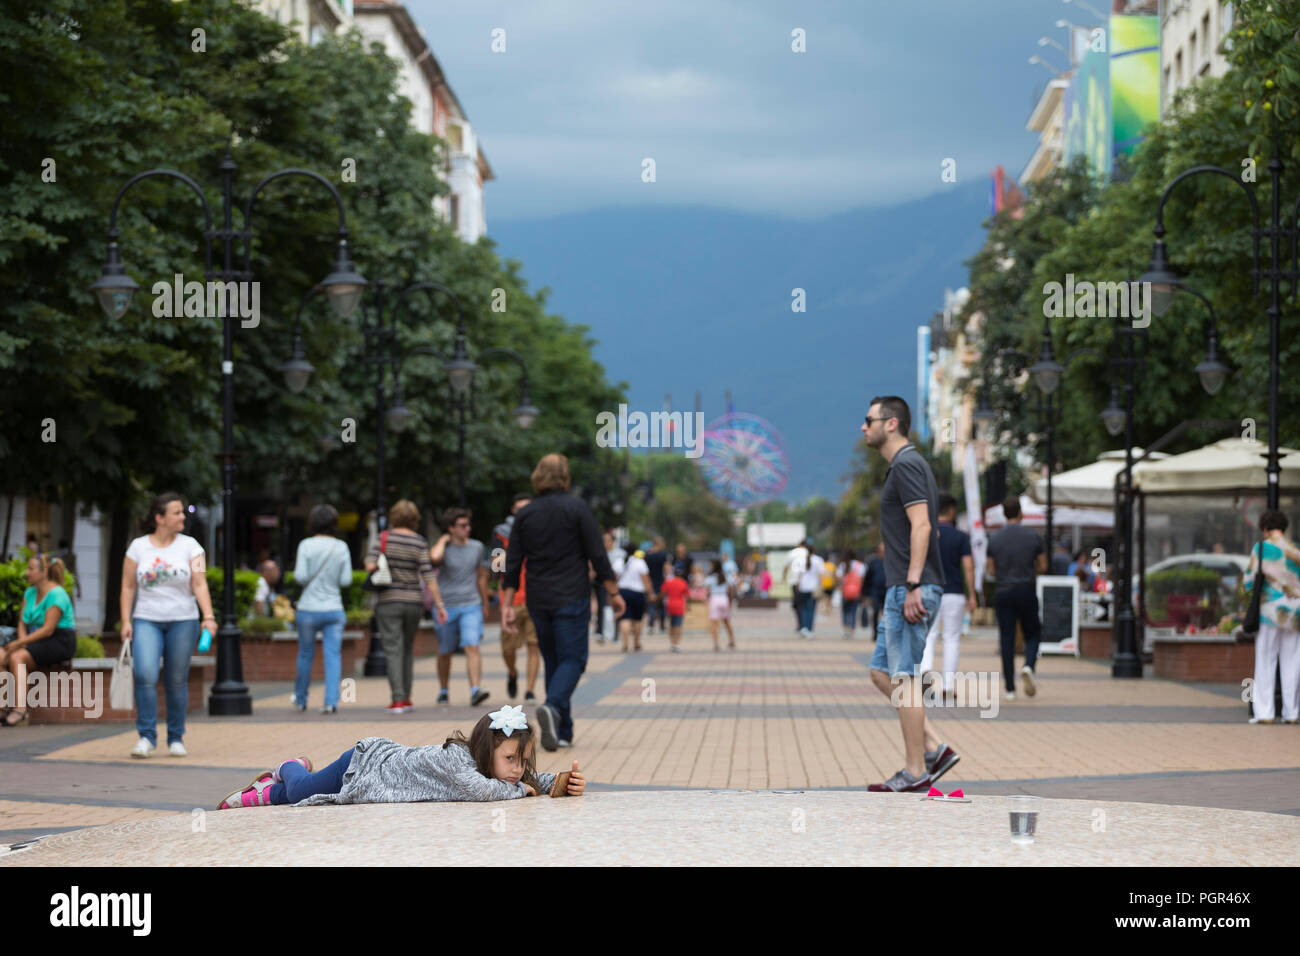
(675,591)
(719,605)
(495,763)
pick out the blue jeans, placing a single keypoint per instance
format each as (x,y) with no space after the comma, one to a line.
(904,644)
(330,625)
(807,609)
(562,639)
(849,614)
(173,642)
(299,784)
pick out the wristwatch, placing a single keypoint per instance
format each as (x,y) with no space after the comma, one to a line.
(913,585)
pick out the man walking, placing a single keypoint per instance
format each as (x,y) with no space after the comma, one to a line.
(795,565)
(958,592)
(874,585)
(655,561)
(1016,557)
(914,586)
(523,635)
(557,535)
(463,583)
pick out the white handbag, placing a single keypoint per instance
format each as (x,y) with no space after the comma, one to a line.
(382,577)
(121,688)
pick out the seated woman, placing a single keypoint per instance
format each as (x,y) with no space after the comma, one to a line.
(47,630)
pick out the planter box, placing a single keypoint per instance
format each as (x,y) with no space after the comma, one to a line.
(766,602)
(1095,641)
(426,640)
(92,676)
(1209,657)
(275,656)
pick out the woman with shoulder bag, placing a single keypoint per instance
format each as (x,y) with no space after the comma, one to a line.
(322,568)
(1277,645)
(47,629)
(400,605)
(164,586)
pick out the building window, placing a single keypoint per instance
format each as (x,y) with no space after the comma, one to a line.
(455,211)
(456,137)
(1205,37)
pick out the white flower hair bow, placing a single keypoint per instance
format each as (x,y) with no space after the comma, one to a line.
(509,719)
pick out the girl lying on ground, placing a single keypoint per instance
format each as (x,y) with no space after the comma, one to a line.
(495,763)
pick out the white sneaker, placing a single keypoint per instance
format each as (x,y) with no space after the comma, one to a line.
(177,749)
(143,748)
(1027,678)
(1008,695)
(563,743)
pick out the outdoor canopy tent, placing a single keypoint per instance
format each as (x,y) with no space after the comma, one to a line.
(1090,486)
(1035,515)
(1231,464)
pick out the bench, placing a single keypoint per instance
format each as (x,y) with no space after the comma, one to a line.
(69,692)
(1203,657)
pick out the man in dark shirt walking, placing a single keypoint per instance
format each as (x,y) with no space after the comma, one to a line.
(557,534)
(874,585)
(1016,557)
(909,503)
(655,561)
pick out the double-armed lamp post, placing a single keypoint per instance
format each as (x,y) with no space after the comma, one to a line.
(114,290)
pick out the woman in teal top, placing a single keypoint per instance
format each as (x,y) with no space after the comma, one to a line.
(1277,645)
(47,628)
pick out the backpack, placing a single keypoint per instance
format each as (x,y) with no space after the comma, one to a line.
(852,586)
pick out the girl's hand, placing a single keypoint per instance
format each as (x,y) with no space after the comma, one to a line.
(440,615)
(529,791)
(127,630)
(577,782)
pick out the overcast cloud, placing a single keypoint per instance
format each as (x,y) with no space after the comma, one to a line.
(712,92)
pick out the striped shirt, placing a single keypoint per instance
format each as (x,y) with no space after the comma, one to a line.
(408,560)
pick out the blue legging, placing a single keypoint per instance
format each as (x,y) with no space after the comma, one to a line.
(299,784)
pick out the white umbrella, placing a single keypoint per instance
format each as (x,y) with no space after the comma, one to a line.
(1230,464)
(1034,515)
(1092,485)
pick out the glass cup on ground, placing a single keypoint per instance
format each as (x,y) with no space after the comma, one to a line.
(1024,818)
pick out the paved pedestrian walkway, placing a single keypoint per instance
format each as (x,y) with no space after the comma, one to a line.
(778,713)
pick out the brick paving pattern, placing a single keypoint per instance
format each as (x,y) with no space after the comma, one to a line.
(779,713)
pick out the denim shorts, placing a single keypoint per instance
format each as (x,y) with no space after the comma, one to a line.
(464,628)
(904,644)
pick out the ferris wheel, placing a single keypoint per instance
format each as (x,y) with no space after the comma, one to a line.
(744,461)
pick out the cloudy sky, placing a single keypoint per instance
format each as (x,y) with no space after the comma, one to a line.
(711,90)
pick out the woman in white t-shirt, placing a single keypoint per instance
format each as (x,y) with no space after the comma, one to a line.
(634,584)
(809,585)
(164,586)
(720,593)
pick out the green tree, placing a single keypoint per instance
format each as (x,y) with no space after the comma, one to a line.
(109,88)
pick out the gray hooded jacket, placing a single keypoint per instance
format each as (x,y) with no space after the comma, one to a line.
(383,771)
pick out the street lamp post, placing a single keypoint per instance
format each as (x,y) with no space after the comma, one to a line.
(525,412)
(1047,373)
(1165,281)
(114,289)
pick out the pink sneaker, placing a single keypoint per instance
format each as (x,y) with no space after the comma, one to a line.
(256,794)
(306,765)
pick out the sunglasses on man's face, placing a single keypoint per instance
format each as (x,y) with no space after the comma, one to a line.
(883,419)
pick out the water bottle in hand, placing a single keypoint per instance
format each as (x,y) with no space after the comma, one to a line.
(205,641)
